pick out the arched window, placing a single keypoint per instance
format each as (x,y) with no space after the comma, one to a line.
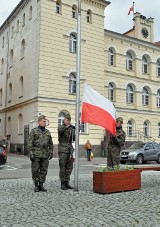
(89,16)
(159,129)
(24,20)
(10,93)
(22,48)
(158,67)
(58,7)
(111,95)
(18,26)
(2,66)
(130,128)
(9,126)
(129,94)
(21,87)
(11,58)
(145,96)
(111,56)
(3,42)
(72,83)
(12,32)
(1,97)
(144,65)
(146,128)
(129,61)
(60,118)
(74,11)
(158,98)
(73,43)
(30,13)
(20,124)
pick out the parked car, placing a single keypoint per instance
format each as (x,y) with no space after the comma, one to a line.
(3,155)
(141,152)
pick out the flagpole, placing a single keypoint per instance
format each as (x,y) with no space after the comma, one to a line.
(76,170)
(133,11)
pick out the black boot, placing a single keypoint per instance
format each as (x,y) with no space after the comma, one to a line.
(68,185)
(41,188)
(36,187)
(63,186)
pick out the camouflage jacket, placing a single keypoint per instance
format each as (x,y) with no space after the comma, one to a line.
(66,134)
(118,140)
(40,143)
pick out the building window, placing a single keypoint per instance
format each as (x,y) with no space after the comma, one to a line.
(111,92)
(145,96)
(11,58)
(158,129)
(158,67)
(129,94)
(130,128)
(24,20)
(74,11)
(1,97)
(20,124)
(89,16)
(9,126)
(111,56)
(60,118)
(3,42)
(73,43)
(144,65)
(2,66)
(10,93)
(12,33)
(72,83)
(158,98)
(30,13)
(18,26)
(146,128)
(58,7)
(129,61)
(82,127)
(21,87)
(22,48)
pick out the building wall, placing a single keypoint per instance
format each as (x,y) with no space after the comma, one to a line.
(121,77)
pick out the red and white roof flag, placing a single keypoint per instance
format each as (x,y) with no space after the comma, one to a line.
(98,110)
(131,9)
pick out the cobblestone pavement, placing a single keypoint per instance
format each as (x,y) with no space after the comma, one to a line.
(21,207)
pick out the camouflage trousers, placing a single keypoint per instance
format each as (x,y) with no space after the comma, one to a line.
(39,169)
(65,166)
(113,156)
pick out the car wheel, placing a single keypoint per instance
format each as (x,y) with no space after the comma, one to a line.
(123,162)
(158,159)
(139,159)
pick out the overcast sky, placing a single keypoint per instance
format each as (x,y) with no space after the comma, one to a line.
(116,13)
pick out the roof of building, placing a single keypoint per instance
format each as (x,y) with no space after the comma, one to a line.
(157,43)
(132,29)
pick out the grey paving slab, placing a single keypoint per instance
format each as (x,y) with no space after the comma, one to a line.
(21,207)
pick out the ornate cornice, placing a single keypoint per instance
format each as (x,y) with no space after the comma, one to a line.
(97,3)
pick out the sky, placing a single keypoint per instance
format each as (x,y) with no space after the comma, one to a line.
(116,14)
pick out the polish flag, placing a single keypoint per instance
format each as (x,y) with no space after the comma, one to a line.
(98,110)
(131,9)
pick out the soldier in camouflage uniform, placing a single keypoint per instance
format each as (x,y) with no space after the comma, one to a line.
(40,146)
(66,134)
(115,144)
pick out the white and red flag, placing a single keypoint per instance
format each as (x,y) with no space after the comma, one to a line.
(98,110)
(131,9)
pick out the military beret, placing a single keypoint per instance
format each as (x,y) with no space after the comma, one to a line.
(41,117)
(119,119)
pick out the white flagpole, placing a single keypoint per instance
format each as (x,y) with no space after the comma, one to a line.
(76,173)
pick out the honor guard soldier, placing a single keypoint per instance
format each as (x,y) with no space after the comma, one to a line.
(40,146)
(115,144)
(66,135)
